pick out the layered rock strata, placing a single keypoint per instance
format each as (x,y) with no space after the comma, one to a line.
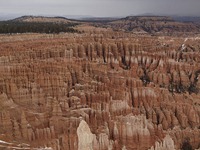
(100,91)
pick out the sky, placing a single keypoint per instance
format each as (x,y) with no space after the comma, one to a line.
(100,8)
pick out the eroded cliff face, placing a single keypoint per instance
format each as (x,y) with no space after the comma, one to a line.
(99,91)
(152,25)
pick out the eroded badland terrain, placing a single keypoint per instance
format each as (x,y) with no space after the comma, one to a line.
(129,84)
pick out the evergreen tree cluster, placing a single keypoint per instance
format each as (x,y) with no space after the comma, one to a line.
(35,27)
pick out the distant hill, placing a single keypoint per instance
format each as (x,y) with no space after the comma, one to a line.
(44,19)
(142,24)
(152,25)
(187,19)
(99,19)
(38,24)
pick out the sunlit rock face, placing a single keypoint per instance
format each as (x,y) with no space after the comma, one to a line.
(166,144)
(101,90)
(85,136)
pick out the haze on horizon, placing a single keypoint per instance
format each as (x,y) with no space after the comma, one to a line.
(100,8)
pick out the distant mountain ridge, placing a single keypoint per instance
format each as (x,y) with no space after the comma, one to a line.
(38,24)
(194,19)
(152,25)
(57,19)
(142,24)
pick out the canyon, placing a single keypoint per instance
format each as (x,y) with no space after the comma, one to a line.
(100,89)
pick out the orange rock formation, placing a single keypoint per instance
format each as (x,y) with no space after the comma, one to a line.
(99,91)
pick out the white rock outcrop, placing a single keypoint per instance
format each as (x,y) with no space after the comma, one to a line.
(85,136)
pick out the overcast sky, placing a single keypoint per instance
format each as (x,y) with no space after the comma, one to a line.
(100,8)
